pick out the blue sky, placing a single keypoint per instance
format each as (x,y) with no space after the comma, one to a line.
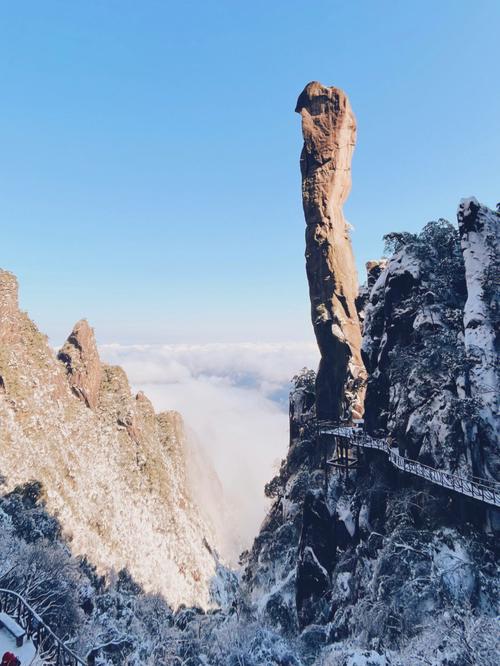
(149,176)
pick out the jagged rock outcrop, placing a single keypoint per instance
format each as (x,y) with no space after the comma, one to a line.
(359,567)
(412,318)
(270,577)
(430,346)
(329,130)
(115,474)
(373,270)
(316,559)
(79,355)
(479,229)
(363,565)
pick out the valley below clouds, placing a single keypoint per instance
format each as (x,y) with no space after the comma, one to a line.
(234,401)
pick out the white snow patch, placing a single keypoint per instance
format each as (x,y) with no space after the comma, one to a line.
(345,515)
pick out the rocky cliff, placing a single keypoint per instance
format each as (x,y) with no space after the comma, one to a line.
(431,342)
(113,471)
(479,229)
(379,566)
(357,568)
(372,567)
(329,131)
(413,348)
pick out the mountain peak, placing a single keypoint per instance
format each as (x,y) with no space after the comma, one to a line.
(329,132)
(83,366)
(8,293)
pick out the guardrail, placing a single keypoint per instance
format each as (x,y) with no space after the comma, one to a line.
(50,647)
(483,490)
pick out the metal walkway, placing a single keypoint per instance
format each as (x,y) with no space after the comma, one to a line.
(51,649)
(480,489)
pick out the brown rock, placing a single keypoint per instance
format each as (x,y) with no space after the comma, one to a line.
(329,130)
(8,293)
(9,308)
(108,473)
(83,366)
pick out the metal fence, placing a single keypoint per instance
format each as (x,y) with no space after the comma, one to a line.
(484,490)
(51,649)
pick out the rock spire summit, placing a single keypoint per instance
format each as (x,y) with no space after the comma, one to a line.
(83,366)
(329,131)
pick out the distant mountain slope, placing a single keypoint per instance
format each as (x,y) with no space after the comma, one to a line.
(113,471)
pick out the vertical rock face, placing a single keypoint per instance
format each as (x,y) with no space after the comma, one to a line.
(316,559)
(283,566)
(479,229)
(79,355)
(373,270)
(430,344)
(413,349)
(374,557)
(329,130)
(8,303)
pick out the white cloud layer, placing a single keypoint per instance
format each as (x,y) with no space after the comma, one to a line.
(233,398)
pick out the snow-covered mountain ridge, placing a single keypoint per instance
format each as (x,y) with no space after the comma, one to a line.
(113,471)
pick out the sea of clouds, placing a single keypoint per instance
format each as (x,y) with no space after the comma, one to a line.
(234,400)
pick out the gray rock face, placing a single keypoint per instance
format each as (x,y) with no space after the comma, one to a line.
(479,229)
(412,325)
(316,560)
(270,578)
(430,346)
(329,130)
(362,566)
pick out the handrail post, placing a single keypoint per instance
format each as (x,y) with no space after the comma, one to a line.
(41,635)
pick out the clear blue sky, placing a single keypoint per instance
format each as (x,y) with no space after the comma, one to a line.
(149,175)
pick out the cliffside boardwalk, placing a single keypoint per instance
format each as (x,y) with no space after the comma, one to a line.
(51,648)
(479,489)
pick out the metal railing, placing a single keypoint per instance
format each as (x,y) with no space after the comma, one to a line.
(483,490)
(51,649)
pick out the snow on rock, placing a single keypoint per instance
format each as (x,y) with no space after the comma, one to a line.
(454,568)
(479,237)
(430,345)
(343,584)
(413,349)
(344,655)
(377,556)
(344,513)
(114,474)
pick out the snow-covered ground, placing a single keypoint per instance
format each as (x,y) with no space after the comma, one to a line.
(26,653)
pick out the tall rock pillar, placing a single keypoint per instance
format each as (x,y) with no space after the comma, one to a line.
(329,131)
(479,229)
